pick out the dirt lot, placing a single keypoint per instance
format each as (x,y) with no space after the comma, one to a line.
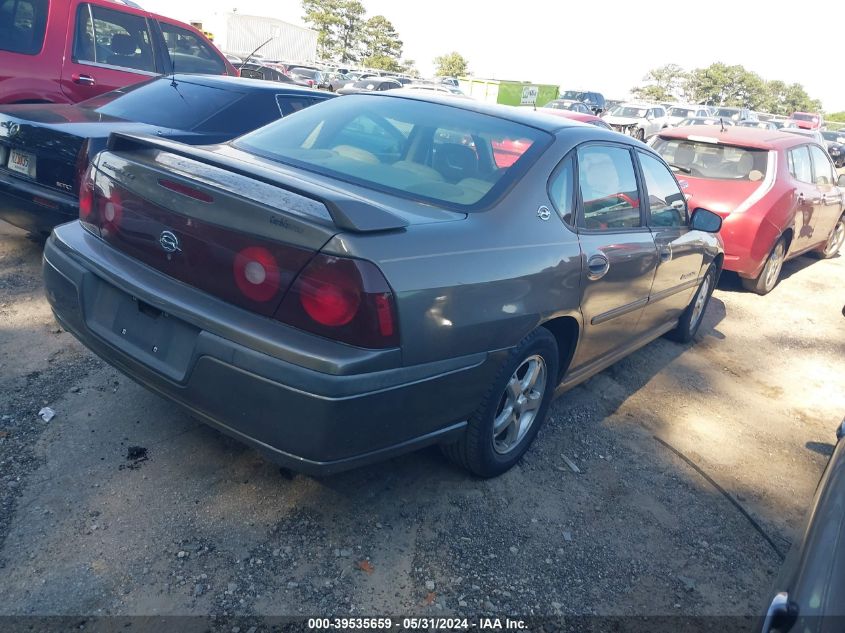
(200,524)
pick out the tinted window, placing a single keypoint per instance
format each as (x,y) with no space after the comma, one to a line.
(608,188)
(666,201)
(800,165)
(562,190)
(822,167)
(105,36)
(22,25)
(709,160)
(182,107)
(289,104)
(189,53)
(410,148)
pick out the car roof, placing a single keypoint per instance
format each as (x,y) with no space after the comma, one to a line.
(738,135)
(229,82)
(524,115)
(569,114)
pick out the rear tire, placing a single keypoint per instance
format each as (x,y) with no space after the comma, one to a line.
(768,278)
(834,241)
(510,415)
(692,317)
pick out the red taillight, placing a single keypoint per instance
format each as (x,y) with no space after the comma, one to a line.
(86,195)
(110,209)
(311,83)
(344,299)
(257,273)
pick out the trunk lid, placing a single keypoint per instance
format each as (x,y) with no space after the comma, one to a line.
(53,140)
(238,232)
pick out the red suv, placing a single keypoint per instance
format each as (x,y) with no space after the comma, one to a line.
(65,51)
(777,193)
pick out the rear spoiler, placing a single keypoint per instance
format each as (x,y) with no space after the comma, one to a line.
(348,212)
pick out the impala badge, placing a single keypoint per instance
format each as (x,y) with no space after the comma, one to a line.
(169,242)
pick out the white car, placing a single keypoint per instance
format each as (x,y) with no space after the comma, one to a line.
(679,112)
(637,119)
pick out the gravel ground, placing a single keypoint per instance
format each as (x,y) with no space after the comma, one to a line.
(123,505)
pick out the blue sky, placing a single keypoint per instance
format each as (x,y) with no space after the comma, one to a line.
(607,45)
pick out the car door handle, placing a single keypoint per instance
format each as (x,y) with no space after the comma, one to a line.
(597,267)
(665,253)
(84,80)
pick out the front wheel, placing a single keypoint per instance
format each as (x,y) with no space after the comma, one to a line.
(768,278)
(692,317)
(835,241)
(506,422)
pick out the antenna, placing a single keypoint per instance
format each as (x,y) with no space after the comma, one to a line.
(246,61)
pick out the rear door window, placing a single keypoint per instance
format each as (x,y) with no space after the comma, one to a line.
(822,167)
(288,104)
(113,38)
(608,186)
(190,53)
(800,165)
(22,25)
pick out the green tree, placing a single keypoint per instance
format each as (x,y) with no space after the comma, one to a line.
(663,83)
(380,39)
(409,67)
(351,13)
(451,65)
(836,116)
(723,85)
(382,62)
(321,15)
(338,26)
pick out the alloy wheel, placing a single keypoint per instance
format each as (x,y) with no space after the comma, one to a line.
(519,404)
(774,265)
(700,302)
(836,239)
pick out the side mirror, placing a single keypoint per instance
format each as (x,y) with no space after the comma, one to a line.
(841,181)
(704,220)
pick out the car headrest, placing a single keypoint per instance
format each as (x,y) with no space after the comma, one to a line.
(123,44)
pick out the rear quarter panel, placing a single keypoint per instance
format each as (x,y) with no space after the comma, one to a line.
(480,283)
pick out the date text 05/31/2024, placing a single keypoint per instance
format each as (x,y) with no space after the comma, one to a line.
(386,624)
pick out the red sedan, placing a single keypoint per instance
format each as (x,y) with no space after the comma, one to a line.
(778,194)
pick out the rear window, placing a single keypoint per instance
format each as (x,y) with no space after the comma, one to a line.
(413,149)
(182,106)
(22,25)
(189,53)
(682,112)
(714,161)
(805,117)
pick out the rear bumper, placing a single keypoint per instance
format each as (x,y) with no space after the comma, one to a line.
(310,404)
(748,241)
(33,207)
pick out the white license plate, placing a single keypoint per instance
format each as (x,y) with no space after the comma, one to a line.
(22,163)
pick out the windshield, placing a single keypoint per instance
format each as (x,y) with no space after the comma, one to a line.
(709,160)
(629,112)
(410,148)
(681,112)
(181,105)
(304,72)
(799,116)
(834,136)
(574,94)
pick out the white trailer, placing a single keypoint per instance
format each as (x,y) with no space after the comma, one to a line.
(241,34)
